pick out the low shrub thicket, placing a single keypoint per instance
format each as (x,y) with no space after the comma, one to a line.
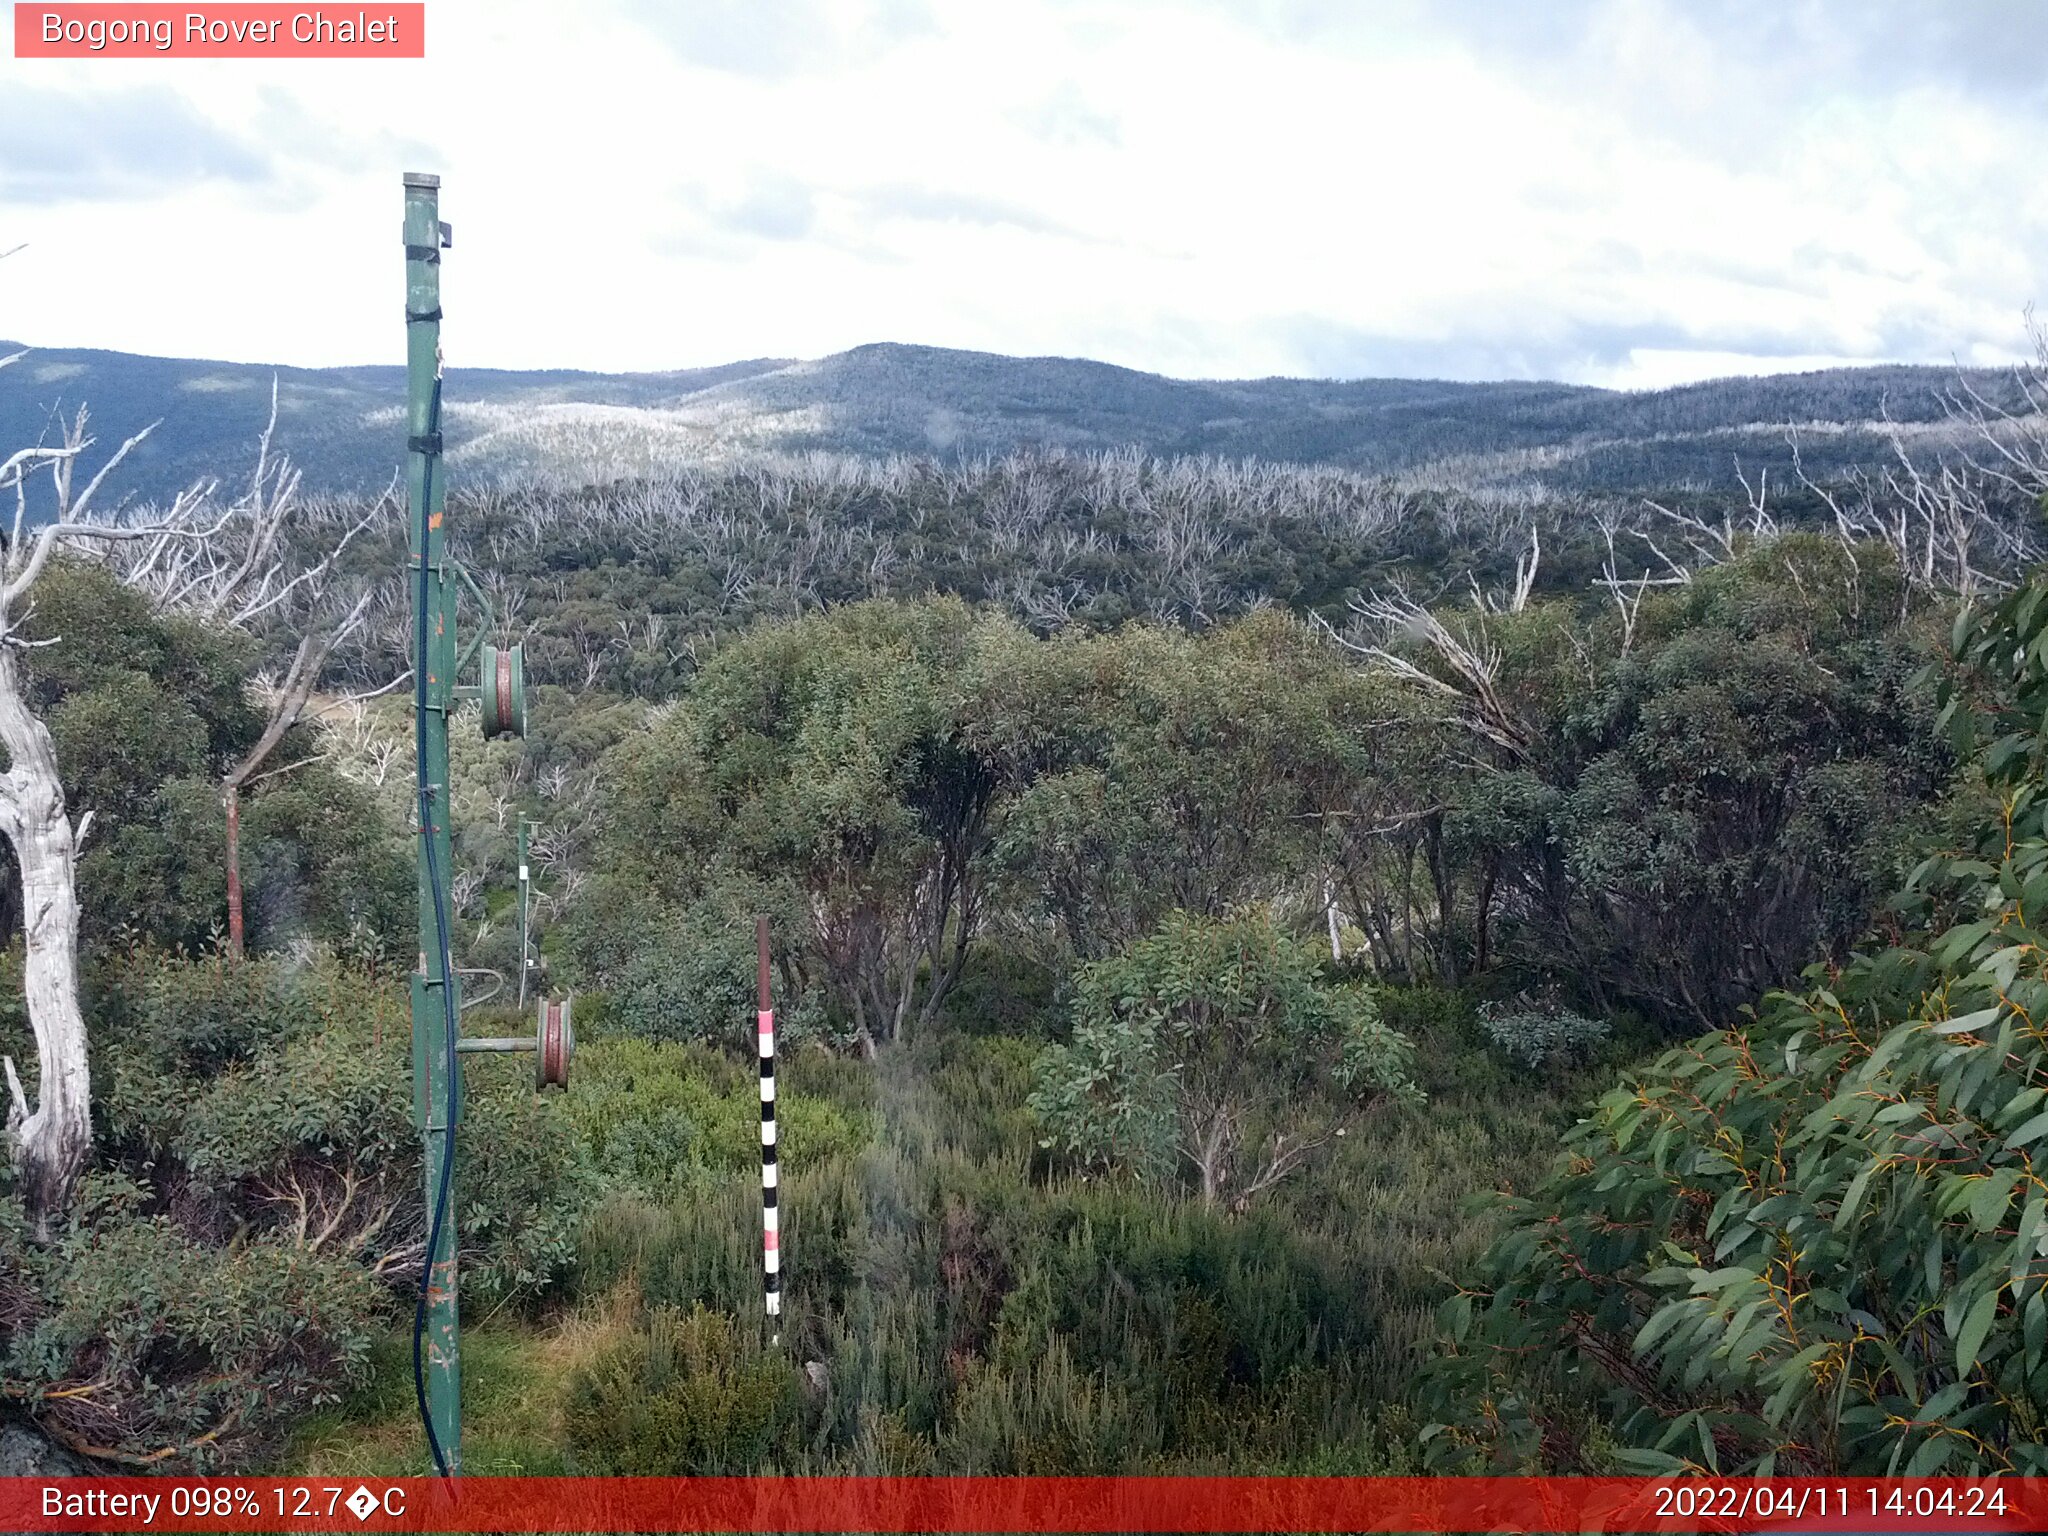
(955,1303)
(258,1209)
(689,1394)
(1539,1037)
(131,1340)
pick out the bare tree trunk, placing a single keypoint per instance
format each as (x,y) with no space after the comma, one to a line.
(51,1141)
(1485,915)
(1211,1153)
(231,796)
(1444,883)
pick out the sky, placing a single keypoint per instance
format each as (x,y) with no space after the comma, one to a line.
(1629,193)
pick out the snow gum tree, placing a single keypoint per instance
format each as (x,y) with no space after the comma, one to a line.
(50,1139)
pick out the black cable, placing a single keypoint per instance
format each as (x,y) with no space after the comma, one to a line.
(426,810)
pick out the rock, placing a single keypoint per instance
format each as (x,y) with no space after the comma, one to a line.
(24,1453)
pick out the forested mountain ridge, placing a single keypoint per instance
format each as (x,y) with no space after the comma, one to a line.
(341,425)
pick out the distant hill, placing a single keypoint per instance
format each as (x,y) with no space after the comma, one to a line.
(343,425)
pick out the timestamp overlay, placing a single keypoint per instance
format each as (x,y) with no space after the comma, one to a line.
(1026,1504)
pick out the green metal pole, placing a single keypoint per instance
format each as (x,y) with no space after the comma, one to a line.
(434,695)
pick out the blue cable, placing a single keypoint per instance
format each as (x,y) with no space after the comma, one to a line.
(426,806)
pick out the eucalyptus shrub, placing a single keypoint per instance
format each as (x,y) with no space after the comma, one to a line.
(128,1336)
(1541,1037)
(275,1100)
(1218,1044)
(1817,1241)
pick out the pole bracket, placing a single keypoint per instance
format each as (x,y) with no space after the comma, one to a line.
(553,1045)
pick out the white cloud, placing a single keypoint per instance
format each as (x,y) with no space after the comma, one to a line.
(1633,192)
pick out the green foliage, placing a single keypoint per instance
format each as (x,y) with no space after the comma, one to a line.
(160,877)
(1539,1037)
(276,1099)
(1733,793)
(257,1215)
(1004,992)
(526,1186)
(145,713)
(688,1395)
(1668,818)
(684,973)
(1045,1418)
(131,1335)
(126,733)
(688,986)
(1150,771)
(943,813)
(317,1097)
(600,935)
(962,1318)
(668,1120)
(179,1018)
(1811,1242)
(324,861)
(111,641)
(1218,1043)
(822,760)
(955,1304)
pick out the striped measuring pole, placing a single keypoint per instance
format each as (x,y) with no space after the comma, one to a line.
(771,1226)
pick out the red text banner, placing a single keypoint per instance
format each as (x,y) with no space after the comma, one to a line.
(1025,1504)
(240,31)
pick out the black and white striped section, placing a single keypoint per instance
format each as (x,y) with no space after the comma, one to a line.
(771,1223)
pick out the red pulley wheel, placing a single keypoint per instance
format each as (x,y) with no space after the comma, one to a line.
(502,692)
(555,1045)
(502,683)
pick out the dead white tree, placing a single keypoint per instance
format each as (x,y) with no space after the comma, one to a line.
(51,1139)
(1628,591)
(368,752)
(1470,665)
(1941,515)
(1517,599)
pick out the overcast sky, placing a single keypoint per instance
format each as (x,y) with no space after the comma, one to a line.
(1606,192)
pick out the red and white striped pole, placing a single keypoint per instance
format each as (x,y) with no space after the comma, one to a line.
(771,1228)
